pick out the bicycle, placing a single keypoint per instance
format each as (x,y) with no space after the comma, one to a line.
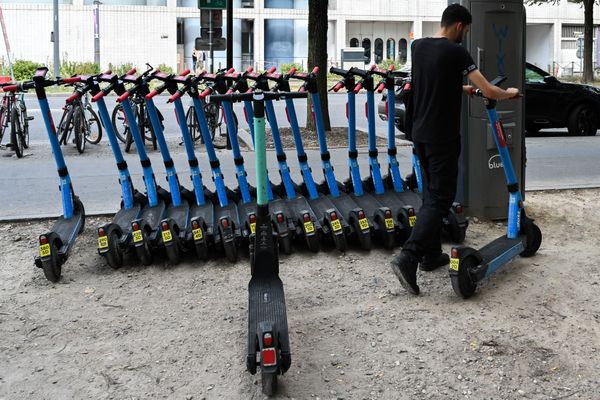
(121,128)
(75,119)
(14,111)
(214,121)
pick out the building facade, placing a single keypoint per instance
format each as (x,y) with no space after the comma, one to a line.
(266,32)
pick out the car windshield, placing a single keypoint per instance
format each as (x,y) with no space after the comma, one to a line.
(532,76)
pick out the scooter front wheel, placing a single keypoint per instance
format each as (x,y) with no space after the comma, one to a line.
(269,383)
(52,265)
(533,239)
(114,257)
(462,283)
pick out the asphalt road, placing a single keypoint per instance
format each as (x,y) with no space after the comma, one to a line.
(29,185)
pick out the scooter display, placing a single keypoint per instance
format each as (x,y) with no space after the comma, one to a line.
(56,244)
(469,266)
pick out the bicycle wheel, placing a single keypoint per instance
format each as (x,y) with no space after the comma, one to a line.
(220,141)
(16,132)
(65,126)
(79,130)
(146,125)
(94,131)
(192,123)
(3,121)
(118,122)
(25,124)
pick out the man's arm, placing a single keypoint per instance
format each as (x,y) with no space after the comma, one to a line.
(490,91)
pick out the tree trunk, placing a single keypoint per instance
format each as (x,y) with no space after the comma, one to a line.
(588,41)
(317,55)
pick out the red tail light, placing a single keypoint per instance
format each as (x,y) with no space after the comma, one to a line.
(454,253)
(269,357)
(458,209)
(225,223)
(43,240)
(411,212)
(306,217)
(165,226)
(101,232)
(280,218)
(252,218)
(361,214)
(388,214)
(333,216)
(135,226)
(195,225)
(268,339)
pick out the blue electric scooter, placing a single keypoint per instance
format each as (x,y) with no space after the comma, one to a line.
(55,245)
(469,266)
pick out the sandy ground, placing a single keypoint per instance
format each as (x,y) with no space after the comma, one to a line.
(532,331)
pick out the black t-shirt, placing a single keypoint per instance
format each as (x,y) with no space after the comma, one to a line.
(438,69)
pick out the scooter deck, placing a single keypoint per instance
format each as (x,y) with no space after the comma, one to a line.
(180,214)
(230,211)
(206,212)
(267,304)
(68,229)
(299,205)
(153,215)
(497,254)
(323,205)
(498,247)
(124,216)
(368,203)
(345,203)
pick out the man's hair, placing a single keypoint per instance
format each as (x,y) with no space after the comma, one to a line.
(456,13)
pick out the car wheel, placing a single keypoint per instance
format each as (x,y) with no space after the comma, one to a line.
(582,121)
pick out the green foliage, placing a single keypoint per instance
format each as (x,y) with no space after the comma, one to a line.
(70,68)
(120,69)
(285,68)
(385,64)
(24,69)
(165,68)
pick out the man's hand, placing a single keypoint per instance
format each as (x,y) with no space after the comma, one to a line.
(469,89)
(513,92)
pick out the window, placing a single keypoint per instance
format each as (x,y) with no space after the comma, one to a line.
(378,51)
(354,42)
(366,44)
(532,76)
(402,50)
(568,31)
(391,49)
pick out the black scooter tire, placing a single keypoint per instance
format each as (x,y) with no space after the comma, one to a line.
(201,250)
(78,205)
(340,242)
(363,239)
(269,383)
(285,244)
(173,251)
(143,254)
(457,233)
(52,266)
(462,283)
(114,256)
(230,249)
(533,239)
(312,242)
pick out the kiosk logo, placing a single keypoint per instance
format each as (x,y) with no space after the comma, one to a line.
(501,34)
(495,162)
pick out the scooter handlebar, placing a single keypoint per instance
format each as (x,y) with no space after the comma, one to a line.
(315,70)
(73,97)
(151,95)
(123,97)
(10,88)
(338,71)
(175,96)
(205,93)
(185,73)
(237,97)
(74,79)
(131,71)
(337,87)
(358,88)
(380,87)
(98,96)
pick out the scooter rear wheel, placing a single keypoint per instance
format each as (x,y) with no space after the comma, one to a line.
(269,383)
(364,237)
(285,244)
(462,283)
(79,207)
(172,250)
(114,257)
(52,266)
(143,254)
(312,242)
(201,250)
(230,249)
(340,242)
(533,241)
(457,233)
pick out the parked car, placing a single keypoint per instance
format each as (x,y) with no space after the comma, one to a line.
(549,103)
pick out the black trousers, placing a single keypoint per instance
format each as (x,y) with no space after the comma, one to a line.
(440,174)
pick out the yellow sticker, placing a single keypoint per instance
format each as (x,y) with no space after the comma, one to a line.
(45,250)
(389,223)
(454,264)
(363,223)
(167,237)
(197,234)
(137,236)
(336,225)
(412,220)
(309,227)
(253,228)
(102,242)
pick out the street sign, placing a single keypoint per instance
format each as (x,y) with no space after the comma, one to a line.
(218,44)
(217,32)
(579,54)
(213,4)
(207,15)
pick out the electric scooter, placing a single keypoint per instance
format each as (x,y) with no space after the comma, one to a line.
(469,266)
(455,223)
(381,215)
(145,229)
(114,237)
(268,335)
(55,245)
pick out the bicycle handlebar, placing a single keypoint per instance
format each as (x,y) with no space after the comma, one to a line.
(10,88)
(73,79)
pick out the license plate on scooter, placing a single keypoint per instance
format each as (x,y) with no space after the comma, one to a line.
(198,234)
(309,227)
(412,221)
(137,236)
(166,236)
(336,225)
(253,228)
(45,250)
(454,263)
(102,242)
(389,223)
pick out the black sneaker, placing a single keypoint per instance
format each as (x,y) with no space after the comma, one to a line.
(430,263)
(405,268)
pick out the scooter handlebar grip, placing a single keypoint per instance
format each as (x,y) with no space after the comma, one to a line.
(131,71)
(123,97)
(150,95)
(249,69)
(184,73)
(107,72)
(272,69)
(358,88)
(73,97)
(175,96)
(230,91)
(391,67)
(205,93)
(380,87)
(98,96)
(292,71)
(315,70)
(337,87)
(73,79)
(10,88)
(231,70)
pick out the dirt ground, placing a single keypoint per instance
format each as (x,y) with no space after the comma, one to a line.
(532,331)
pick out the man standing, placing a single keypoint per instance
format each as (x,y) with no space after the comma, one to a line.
(439,65)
